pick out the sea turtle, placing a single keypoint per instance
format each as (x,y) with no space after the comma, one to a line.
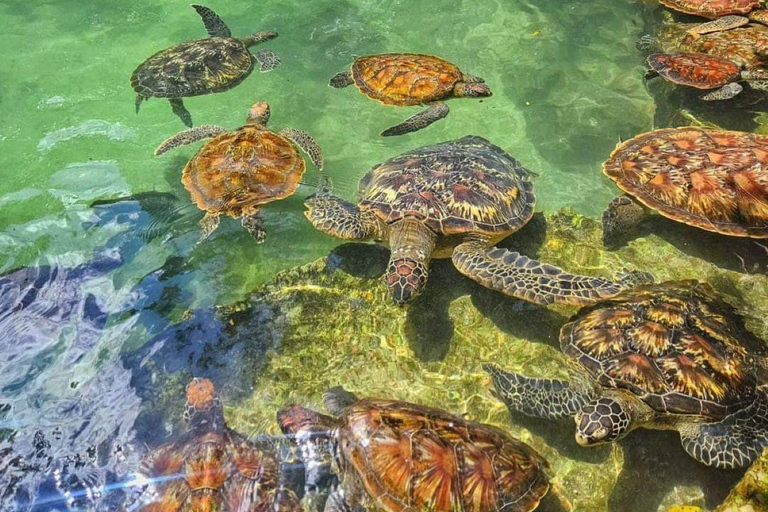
(201,66)
(703,71)
(212,467)
(715,180)
(238,171)
(670,356)
(453,200)
(397,456)
(713,8)
(411,79)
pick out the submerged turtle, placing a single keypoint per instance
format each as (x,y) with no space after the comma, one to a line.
(237,172)
(713,8)
(452,200)
(411,79)
(397,457)
(669,356)
(703,71)
(201,66)
(211,467)
(715,180)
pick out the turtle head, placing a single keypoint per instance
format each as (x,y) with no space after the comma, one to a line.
(472,90)
(601,421)
(405,278)
(259,113)
(203,408)
(316,436)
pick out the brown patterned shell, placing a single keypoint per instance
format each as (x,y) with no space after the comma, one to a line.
(694,69)
(405,78)
(713,179)
(712,8)
(747,47)
(456,187)
(676,345)
(192,68)
(243,169)
(411,458)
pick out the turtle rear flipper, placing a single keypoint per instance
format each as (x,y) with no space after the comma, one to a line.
(416,122)
(341,80)
(519,276)
(213,24)
(733,442)
(307,144)
(139,99)
(254,224)
(267,60)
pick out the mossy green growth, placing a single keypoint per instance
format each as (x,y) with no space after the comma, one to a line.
(751,493)
(336,325)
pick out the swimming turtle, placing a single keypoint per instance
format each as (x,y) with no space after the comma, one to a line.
(669,356)
(201,66)
(716,180)
(212,467)
(703,71)
(397,456)
(453,200)
(713,8)
(238,171)
(411,79)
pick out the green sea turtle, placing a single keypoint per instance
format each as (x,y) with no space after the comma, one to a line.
(238,171)
(453,200)
(669,356)
(394,456)
(714,8)
(411,79)
(716,180)
(201,66)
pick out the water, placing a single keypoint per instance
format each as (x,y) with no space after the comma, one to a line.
(98,237)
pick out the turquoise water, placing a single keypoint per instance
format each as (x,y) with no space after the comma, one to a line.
(109,231)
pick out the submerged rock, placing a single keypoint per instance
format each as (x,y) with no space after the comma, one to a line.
(751,493)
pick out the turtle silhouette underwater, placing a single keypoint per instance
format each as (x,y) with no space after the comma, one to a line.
(403,79)
(239,171)
(716,180)
(212,467)
(670,356)
(201,66)
(456,200)
(397,456)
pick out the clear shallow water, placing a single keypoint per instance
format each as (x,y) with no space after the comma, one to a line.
(567,83)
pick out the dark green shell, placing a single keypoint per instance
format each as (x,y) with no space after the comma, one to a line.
(192,68)
(463,186)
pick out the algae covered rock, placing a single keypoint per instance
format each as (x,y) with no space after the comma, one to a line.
(751,493)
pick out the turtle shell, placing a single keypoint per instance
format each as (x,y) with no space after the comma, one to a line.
(712,8)
(713,179)
(192,68)
(744,46)
(694,69)
(243,169)
(405,78)
(456,187)
(676,345)
(408,457)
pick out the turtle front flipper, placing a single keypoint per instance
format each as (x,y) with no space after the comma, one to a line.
(177,105)
(416,122)
(267,60)
(620,219)
(254,224)
(411,243)
(726,92)
(718,25)
(307,144)
(213,24)
(519,276)
(734,442)
(540,398)
(188,137)
(342,219)
(341,80)
(139,100)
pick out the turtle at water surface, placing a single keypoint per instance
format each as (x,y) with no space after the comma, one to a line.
(715,180)
(411,79)
(669,356)
(453,200)
(211,467)
(238,171)
(397,456)
(201,66)
(713,8)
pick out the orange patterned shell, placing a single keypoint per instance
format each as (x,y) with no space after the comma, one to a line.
(411,458)
(694,69)
(744,46)
(405,78)
(676,345)
(712,8)
(238,171)
(713,179)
